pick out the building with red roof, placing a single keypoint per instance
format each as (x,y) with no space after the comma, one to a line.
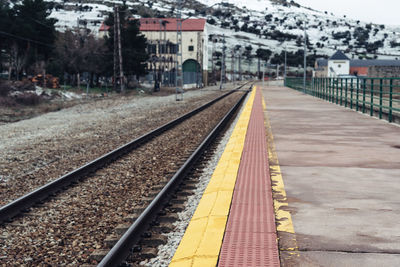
(356,67)
(170,24)
(103,31)
(161,34)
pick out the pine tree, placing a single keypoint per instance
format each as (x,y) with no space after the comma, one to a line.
(133,45)
(5,24)
(32,33)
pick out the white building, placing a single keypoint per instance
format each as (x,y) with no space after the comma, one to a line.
(161,34)
(338,64)
(161,37)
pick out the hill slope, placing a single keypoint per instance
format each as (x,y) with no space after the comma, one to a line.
(273,25)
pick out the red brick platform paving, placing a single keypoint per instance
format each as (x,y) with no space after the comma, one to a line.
(250,236)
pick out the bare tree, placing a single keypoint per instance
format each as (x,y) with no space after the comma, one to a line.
(80,52)
(95,51)
(17,60)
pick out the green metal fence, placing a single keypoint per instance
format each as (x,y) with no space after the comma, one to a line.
(377,96)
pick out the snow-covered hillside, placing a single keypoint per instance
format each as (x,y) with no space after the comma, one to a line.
(268,24)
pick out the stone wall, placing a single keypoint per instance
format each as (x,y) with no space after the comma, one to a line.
(384,71)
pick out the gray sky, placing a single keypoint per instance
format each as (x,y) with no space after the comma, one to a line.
(377,11)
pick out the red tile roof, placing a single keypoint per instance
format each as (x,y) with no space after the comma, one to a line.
(104,27)
(153,24)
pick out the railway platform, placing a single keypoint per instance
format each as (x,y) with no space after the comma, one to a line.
(330,200)
(341,171)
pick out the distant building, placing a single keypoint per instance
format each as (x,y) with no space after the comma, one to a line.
(337,66)
(161,34)
(103,31)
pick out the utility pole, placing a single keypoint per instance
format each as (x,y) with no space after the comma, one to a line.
(179,48)
(214,78)
(284,75)
(117,45)
(240,65)
(305,58)
(115,50)
(233,66)
(121,71)
(223,63)
(263,73)
(249,61)
(258,66)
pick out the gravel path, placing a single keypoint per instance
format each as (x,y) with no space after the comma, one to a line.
(36,151)
(69,227)
(167,251)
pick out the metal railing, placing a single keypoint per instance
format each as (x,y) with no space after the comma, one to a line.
(379,97)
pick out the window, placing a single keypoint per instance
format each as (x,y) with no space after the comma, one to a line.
(339,66)
(152,48)
(173,49)
(162,49)
(191,48)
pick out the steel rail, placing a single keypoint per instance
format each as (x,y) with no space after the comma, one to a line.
(24,203)
(124,246)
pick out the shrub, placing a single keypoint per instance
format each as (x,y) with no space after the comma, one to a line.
(4,88)
(7,102)
(28,99)
(211,21)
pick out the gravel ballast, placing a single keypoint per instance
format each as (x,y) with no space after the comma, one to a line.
(68,228)
(36,151)
(167,251)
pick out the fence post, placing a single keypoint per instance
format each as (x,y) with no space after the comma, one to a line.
(380,97)
(357,92)
(371,111)
(335,83)
(319,87)
(351,93)
(337,90)
(364,89)
(345,97)
(390,100)
(327,89)
(341,92)
(312,87)
(315,87)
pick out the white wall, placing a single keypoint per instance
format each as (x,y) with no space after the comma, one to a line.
(340,67)
(188,38)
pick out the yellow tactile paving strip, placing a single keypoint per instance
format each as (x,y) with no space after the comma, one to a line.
(282,215)
(201,243)
(280,200)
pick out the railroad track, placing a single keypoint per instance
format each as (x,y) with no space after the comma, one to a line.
(122,249)
(27,202)
(170,223)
